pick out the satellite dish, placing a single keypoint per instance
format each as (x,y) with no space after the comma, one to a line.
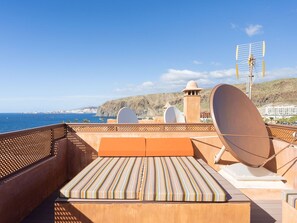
(250,60)
(126,115)
(173,115)
(239,125)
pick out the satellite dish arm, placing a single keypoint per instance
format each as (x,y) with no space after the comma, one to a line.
(219,155)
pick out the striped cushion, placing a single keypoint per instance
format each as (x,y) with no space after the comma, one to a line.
(145,178)
(179,179)
(123,146)
(169,147)
(290,196)
(107,178)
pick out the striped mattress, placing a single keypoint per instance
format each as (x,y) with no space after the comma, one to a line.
(290,196)
(145,179)
(107,178)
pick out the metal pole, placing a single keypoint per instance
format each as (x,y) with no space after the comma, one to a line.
(251,70)
(251,82)
(251,66)
(219,155)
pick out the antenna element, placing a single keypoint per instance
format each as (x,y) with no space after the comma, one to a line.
(247,56)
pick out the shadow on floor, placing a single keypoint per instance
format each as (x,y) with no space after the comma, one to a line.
(44,212)
(258,214)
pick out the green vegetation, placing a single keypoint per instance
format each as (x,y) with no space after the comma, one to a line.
(291,120)
(77,121)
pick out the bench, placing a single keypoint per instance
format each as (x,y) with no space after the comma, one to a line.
(163,182)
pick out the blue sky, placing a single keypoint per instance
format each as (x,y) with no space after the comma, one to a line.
(64,54)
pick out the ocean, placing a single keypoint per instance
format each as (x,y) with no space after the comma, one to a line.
(18,121)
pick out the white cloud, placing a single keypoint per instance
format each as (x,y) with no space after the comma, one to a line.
(197,62)
(205,82)
(147,84)
(252,30)
(285,72)
(173,75)
(182,76)
(222,73)
(175,80)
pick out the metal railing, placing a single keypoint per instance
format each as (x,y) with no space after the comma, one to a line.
(181,127)
(21,149)
(282,132)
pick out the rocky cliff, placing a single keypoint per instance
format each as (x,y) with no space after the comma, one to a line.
(276,92)
(144,105)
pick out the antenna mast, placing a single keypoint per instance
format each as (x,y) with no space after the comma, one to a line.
(246,58)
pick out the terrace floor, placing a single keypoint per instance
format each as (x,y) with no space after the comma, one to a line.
(268,211)
(44,212)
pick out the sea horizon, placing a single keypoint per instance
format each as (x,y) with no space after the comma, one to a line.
(10,122)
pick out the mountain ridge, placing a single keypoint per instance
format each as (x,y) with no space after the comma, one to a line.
(277,92)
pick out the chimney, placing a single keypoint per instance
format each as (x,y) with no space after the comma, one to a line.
(192,102)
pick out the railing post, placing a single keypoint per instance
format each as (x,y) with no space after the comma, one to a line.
(65,130)
(52,152)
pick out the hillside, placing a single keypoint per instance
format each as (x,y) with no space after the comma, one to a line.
(283,91)
(144,105)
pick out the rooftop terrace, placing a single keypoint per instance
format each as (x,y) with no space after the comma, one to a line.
(36,163)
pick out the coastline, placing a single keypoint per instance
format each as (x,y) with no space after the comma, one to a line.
(19,121)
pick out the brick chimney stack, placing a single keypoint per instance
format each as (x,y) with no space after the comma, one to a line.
(192,102)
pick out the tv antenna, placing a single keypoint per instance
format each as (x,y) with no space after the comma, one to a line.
(247,58)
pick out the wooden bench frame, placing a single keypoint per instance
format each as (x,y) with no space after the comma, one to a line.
(236,209)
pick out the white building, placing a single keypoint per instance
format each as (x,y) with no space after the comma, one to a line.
(280,111)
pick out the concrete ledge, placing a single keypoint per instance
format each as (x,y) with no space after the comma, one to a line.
(151,212)
(289,214)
